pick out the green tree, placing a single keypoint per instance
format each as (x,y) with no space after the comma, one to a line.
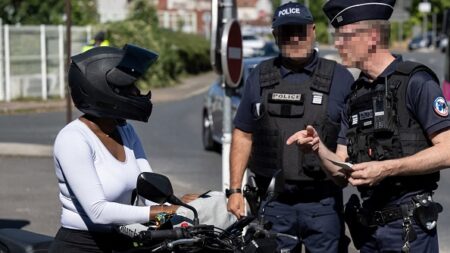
(179,53)
(34,12)
(275,4)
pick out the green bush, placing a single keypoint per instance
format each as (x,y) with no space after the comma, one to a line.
(179,53)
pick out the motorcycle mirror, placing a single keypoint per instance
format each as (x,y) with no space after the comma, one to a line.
(154,187)
(275,185)
(252,182)
(157,188)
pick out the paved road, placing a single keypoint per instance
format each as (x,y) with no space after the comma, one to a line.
(172,141)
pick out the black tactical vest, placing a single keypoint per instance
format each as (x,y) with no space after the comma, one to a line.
(285,109)
(381,128)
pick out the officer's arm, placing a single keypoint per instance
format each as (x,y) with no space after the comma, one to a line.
(429,160)
(333,171)
(241,145)
(309,141)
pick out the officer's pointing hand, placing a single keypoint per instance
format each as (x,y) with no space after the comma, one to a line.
(307,139)
(369,173)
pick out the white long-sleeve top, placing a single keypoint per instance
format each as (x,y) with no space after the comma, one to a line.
(95,187)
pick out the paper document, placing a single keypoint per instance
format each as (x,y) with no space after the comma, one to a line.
(345,166)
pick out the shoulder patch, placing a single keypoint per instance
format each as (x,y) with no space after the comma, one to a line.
(440,107)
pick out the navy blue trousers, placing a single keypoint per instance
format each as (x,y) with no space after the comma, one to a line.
(318,225)
(389,238)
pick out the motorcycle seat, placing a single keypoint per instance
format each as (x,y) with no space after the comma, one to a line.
(21,241)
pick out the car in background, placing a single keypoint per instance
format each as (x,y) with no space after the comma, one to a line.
(443,44)
(270,48)
(251,43)
(426,41)
(420,41)
(213,105)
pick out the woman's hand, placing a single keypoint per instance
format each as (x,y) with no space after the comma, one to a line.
(189,197)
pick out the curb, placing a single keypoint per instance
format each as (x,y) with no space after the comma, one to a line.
(25,149)
(189,87)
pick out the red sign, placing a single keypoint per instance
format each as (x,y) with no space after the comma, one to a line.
(232,53)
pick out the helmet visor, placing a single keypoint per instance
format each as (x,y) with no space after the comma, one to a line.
(134,63)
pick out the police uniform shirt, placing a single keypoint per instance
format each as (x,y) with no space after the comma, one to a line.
(422,93)
(251,99)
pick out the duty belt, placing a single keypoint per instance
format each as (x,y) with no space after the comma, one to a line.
(388,214)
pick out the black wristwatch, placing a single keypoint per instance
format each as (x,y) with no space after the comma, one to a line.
(228,192)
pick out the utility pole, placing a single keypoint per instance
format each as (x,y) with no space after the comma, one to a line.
(226,60)
(424,8)
(434,21)
(425,25)
(229,12)
(68,51)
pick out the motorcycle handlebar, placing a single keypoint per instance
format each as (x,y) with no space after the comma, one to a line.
(166,234)
(259,231)
(175,233)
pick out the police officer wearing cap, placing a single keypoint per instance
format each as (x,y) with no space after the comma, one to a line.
(395,131)
(295,89)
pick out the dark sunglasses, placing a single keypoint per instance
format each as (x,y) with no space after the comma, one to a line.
(292,30)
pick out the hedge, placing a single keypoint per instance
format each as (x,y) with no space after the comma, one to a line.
(179,53)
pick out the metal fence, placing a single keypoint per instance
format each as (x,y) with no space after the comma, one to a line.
(32,60)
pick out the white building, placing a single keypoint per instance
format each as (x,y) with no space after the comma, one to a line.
(190,16)
(112,10)
(255,12)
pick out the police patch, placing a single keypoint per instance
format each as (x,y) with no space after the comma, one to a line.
(286,97)
(317,98)
(440,107)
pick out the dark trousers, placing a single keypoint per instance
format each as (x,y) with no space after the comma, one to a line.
(318,225)
(77,241)
(389,237)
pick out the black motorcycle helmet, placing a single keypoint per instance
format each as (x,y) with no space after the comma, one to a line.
(98,79)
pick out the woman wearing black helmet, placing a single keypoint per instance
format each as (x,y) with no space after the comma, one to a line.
(99,156)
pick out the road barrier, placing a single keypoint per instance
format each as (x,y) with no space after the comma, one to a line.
(32,60)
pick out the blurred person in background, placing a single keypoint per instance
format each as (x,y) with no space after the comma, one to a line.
(98,41)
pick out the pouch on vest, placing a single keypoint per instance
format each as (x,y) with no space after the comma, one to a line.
(383,113)
(426,211)
(311,166)
(287,105)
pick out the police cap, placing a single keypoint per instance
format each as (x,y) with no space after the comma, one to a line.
(291,14)
(343,12)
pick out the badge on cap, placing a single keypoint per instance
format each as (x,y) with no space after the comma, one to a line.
(440,107)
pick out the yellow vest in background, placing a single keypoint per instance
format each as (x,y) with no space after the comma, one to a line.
(85,48)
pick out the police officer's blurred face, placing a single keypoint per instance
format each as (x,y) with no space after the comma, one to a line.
(354,43)
(295,41)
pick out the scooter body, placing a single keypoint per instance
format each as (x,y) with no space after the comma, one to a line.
(13,240)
